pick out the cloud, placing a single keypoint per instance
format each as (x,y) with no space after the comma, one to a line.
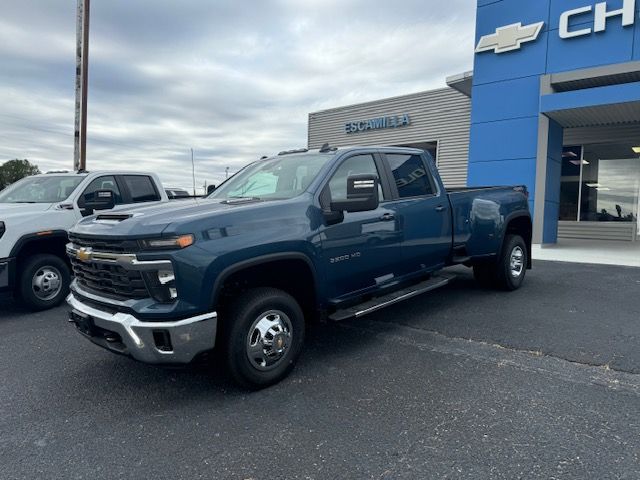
(233,80)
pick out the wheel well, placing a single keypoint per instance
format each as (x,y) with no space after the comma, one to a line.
(51,245)
(522,226)
(293,276)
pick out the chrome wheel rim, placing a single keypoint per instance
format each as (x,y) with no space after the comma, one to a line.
(269,340)
(516,262)
(46,283)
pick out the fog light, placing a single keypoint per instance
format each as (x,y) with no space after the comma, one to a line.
(166,276)
(162,285)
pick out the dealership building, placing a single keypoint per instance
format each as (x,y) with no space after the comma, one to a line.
(553,102)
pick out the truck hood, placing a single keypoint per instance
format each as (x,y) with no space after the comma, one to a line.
(13,214)
(16,209)
(22,219)
(174,217)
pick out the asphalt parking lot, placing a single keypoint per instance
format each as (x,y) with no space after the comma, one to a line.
(462,383)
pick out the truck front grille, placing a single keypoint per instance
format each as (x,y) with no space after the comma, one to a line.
(108,279)
(105,245)
(111,280)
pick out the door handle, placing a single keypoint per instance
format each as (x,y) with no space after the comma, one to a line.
(440,208)
(387,217)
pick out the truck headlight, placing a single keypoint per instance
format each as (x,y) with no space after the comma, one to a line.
(2,229)
(168,243)
(162,285)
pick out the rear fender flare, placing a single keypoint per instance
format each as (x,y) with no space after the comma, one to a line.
(508,220)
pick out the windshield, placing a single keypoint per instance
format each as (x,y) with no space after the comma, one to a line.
(281,177)
(41,189)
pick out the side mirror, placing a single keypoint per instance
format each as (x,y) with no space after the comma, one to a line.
(211,189)
(362,194)
(99,200)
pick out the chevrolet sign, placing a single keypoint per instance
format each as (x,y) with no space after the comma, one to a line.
(377,123)
(511,37)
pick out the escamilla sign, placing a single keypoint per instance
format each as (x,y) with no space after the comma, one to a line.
(379,123)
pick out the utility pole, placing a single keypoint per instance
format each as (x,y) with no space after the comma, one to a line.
(82,85)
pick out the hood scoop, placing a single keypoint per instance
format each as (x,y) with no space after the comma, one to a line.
(112,217)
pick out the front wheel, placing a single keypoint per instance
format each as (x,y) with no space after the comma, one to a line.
(44,281)
(262,336)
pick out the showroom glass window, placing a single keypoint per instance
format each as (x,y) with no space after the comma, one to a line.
(600,183)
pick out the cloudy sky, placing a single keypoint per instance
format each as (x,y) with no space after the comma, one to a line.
(234,80)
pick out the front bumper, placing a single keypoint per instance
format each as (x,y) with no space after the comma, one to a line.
(177,342)
(7,276)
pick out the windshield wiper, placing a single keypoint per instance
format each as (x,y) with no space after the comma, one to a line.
(231,200)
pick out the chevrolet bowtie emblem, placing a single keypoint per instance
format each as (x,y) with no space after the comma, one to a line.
(84,254)
(509,38)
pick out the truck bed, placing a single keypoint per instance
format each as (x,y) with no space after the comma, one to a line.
(480,215)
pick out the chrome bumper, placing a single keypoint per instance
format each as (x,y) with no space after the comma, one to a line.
(145,341)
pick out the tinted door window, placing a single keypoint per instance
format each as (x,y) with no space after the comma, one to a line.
(360,164)
(141,188)
(107,182)
(411,175)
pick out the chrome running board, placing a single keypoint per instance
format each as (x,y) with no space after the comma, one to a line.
(392,298)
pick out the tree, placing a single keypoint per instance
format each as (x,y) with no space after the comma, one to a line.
(14,170)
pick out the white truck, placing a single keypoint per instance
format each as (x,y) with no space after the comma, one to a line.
(35,215)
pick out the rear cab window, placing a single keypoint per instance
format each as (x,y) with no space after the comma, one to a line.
(411,175)
(141,188)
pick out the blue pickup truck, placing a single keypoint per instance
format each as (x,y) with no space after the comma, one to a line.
(329,234)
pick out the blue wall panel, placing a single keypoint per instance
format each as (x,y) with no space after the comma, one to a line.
(554,169)
(504,140)
(499,14)
(560,6)
(504,100)
(636,42)
(504,172)
(550,229)
(615,45)
(530,60)
(556,134)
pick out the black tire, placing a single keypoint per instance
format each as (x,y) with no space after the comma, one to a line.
(45,268)
(237,335)
(506,278)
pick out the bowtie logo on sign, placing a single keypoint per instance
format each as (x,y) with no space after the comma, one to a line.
(511,37)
